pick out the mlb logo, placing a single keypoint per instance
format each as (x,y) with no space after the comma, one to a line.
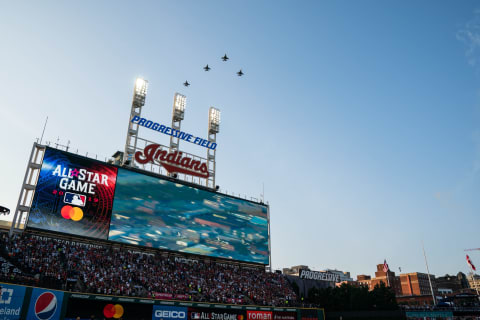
(75,199)
(195,315)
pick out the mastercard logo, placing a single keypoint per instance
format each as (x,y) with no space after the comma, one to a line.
(74,213)
(113,311)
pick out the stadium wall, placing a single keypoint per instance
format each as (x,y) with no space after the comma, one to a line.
(22,302)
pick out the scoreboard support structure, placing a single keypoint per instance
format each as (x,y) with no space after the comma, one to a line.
(139,95)
(28,188)
(213,129)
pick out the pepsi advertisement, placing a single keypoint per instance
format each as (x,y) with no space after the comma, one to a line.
(45,304)
(73,195)
(153,212)
(11,301)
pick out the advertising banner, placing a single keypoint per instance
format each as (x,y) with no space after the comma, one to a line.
(309,314)
(284,315)
(215,314)
(106,307)
(45,304)
(73,195)
(259,315)
(153,212)
(319,275)
(11,301)
(169,313)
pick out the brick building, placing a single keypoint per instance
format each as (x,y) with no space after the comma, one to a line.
(416,284)
(388,278)
(407,284)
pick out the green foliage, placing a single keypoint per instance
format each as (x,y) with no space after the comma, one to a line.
(350,298)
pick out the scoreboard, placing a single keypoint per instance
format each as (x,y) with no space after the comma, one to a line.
(84,197)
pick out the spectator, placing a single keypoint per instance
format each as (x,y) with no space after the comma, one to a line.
(106,269)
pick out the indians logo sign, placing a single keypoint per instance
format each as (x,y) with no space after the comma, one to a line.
(172,161)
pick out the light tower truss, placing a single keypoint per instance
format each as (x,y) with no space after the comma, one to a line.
(178,114)
(213,129)
(139,95)
(27,192)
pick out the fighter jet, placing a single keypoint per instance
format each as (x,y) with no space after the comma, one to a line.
(240,73)
(207,68)
(4,211)
(225,58)
(186,84)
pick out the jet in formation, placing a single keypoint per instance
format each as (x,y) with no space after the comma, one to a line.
(186,84)
(240,73)
(207,68)
(4,211)
(225,58)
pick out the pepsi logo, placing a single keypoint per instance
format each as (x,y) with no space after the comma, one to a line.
(45,306)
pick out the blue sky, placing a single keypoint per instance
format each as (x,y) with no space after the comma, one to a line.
(360,118)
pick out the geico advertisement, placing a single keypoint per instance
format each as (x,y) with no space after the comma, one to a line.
(215,314)
(73,195)
(11,301)
(169,313)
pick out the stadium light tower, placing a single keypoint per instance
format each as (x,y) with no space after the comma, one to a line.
(139,95)
(178,113)
(213,129)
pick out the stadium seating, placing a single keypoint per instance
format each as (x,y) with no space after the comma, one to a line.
(110,269)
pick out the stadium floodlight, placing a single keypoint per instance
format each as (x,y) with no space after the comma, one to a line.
(140,91)
(179,105)
(213,120)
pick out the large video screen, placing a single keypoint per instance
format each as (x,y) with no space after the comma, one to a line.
(157,213)
(73,195)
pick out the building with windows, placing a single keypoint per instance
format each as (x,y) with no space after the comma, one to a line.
(295,270)
(474,281)
(388,278)
(343,276)
(417,284)
(452,283)
(407,284)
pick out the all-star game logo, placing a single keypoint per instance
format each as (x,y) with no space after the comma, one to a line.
(74,194)
(78,180)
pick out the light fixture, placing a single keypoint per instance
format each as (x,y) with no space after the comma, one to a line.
(179,105)
(213,120)
(140,91)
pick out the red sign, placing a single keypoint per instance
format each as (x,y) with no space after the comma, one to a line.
(159,295)
(169,296)
(259,315)
(172,161)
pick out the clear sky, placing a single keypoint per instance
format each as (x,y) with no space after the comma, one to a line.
(361,118)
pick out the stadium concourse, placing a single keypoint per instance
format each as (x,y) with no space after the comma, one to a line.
(106,268)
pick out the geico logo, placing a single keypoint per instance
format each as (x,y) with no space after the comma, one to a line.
(8,296)
(170,314)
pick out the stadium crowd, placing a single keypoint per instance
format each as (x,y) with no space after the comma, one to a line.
(107,269)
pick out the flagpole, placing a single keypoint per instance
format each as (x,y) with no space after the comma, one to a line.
(428,271)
